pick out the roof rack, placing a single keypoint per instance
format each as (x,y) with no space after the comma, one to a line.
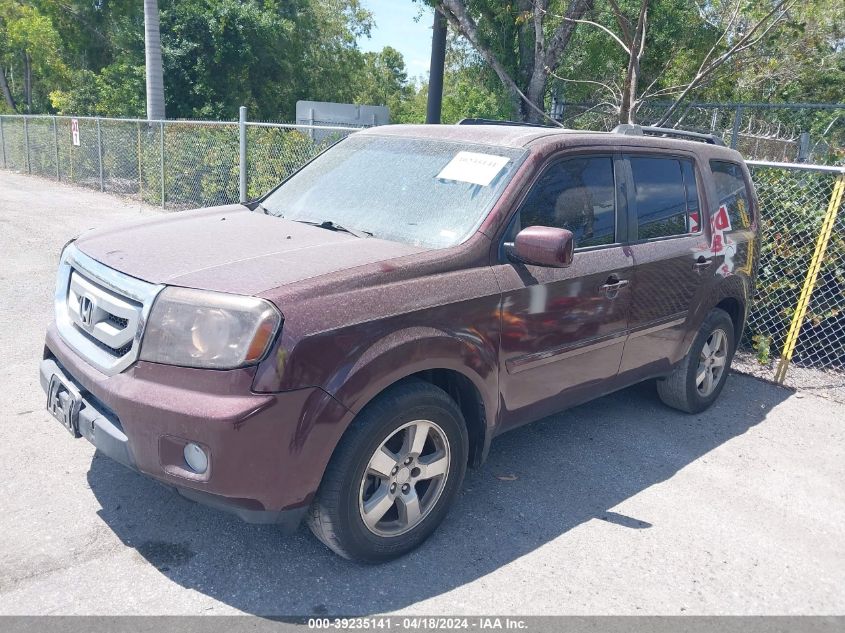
(642,130)
(499,122)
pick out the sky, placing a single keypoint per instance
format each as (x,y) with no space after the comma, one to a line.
(396,27)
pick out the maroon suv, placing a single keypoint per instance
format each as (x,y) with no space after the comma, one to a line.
(343,348)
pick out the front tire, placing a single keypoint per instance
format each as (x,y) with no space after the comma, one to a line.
(698,380)
(393,476)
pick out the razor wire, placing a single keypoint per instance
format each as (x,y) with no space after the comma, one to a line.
(804,133)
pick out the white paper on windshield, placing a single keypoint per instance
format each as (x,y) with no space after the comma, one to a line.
(472,167)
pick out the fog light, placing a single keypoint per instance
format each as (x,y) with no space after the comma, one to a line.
(196,458)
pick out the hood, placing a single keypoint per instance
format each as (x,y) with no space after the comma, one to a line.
(232,249)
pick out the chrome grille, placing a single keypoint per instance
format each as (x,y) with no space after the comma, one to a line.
(101,312)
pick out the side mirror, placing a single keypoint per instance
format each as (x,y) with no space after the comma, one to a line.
(543,246)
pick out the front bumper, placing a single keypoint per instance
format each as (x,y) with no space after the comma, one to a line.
(267,452)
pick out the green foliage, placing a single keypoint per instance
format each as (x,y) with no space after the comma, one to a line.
(30,55)
(382,80)
(762,346)
(117,90)
(802,59)
(87,57)
(470,90)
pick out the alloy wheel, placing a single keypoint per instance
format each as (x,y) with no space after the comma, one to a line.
(404,478)
(712,362)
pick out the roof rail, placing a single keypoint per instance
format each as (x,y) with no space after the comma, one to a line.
(499,122)
(642,130)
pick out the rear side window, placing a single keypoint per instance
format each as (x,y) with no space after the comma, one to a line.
(666,196)
(578,194)
(693,206)
(732,193)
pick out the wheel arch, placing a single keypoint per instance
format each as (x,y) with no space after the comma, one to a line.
(737,311)
(465,368)
(466,394)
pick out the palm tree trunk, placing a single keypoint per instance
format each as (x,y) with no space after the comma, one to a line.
(155,74)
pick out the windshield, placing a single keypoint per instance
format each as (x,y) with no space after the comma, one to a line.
(428,193)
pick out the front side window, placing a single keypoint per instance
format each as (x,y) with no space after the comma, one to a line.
(425,192)
(578,194)
(732,194)
(661,196)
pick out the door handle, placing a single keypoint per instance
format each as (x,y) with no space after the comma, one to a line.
(613,285)
(701,263)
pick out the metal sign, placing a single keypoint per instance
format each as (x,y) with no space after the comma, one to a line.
(74,131)
(323,113)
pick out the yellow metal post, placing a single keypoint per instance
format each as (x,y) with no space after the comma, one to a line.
(810,280)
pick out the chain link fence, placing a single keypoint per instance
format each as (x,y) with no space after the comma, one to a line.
(804,133)
(796,328)
(172,164)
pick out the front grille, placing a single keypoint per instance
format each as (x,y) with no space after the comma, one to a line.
(119,322)
(100,312)
(108,318)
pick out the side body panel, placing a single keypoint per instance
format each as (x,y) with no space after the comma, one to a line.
(355,340)
(562,335)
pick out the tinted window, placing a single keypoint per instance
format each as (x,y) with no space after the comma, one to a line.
(661,197)
(732,194)
(578,194)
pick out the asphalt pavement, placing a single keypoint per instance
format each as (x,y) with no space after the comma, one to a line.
(620,506)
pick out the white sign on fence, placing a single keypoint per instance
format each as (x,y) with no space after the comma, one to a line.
(74,131)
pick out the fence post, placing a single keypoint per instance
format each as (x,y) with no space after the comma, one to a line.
(100,154)
(161,158)
(803,147)
(737,123)
(56,146)
(140,173)
(26,142)
(242,154)
(810,280)
(3,142)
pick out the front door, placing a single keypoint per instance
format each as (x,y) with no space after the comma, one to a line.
(564,329)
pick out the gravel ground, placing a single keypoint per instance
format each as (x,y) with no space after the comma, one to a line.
(826,383)
(621,506)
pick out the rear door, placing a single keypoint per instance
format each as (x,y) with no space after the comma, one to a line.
(673,265)
(563,329)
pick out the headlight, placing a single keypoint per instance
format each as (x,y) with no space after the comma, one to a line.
(199,328)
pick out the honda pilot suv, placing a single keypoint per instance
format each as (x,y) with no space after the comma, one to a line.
(341,350)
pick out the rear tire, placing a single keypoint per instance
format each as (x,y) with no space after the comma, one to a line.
(393,475)
(698,379)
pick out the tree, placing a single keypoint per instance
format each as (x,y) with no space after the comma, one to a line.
(155,74)
(522,42)
(731,29)
(382,80)
(30,44)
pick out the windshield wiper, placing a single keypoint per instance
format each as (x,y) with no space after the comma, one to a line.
(332,226)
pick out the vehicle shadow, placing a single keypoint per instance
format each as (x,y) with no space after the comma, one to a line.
(540,481)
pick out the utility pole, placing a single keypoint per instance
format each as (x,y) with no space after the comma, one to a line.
(435,73)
